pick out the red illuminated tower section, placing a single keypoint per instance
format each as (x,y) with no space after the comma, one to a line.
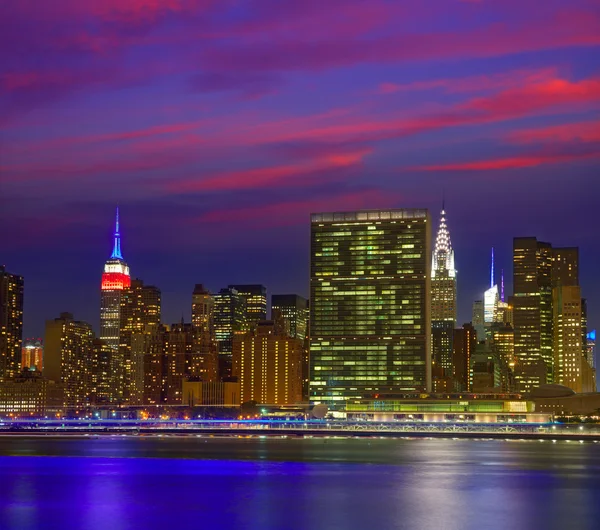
(115,279)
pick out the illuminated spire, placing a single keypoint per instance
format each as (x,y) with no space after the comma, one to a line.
(492,270)
(443,254)
(116,253)
(502,286)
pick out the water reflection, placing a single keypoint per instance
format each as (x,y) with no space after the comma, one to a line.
(296,484)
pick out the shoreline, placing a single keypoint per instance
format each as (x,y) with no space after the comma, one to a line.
(305,434)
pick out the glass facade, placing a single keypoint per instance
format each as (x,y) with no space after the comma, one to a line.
(532,313)
(293,309)
(11,323)
(256,302)
(370,304)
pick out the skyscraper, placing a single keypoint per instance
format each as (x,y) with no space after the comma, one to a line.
(370,292)
(140,306)
(491,299)
(202,308)
(293,309)
(68,358)
(532,312)
(229,319)
(99,367)
(443,305)
(256,302)
(478,319)
(289,313)
(115,279)
(11,323)
(571,366)
(465,343)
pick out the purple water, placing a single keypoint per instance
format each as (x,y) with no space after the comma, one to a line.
(124,483)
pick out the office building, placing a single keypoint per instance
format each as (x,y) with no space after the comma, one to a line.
(204,331)
(11,323)
(268,366)
(290,311)
(100,381)
(370,292)
(443,307)
(488,372)
(571,366)
(202,308)
(32,355)
(464,345)
(478,319)
(229,320)
(140,306)
(148,367)
(27,395)
(256,302)
(115,279)
(68,350)
(532,312)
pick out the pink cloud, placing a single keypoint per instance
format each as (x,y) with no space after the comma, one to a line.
(269,176)
(475,83)
(588,131)
(515,162)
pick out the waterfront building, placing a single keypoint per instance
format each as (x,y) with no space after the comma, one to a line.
(370,292)
(67,358)
(140,307)
(464,345)
(29,394)
(447,407)
(268,366)
(32,355)
(115,280)
(443,307)
(255,296)
(532,312)
(211,394)
(11,323)
(559,400)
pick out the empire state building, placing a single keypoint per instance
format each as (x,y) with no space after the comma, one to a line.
(115,280)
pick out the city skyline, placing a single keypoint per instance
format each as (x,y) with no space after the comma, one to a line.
(215,147)
(175,312)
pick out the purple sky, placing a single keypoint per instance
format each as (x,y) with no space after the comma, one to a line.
(218,126)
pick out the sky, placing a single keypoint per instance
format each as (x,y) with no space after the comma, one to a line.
(218,126)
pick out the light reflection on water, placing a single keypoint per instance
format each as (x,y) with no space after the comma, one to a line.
(123,483)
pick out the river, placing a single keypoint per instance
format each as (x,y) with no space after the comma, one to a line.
(180,483)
